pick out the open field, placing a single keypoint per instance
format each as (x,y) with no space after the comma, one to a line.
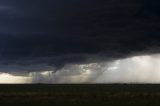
(80,95)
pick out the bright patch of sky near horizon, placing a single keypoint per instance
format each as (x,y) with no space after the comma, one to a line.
(137,69)
(10,79)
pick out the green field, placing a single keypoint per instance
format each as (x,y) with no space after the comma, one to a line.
(80,95)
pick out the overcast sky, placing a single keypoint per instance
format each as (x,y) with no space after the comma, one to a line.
(72,41)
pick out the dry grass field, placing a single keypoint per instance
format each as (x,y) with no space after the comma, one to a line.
(80,95)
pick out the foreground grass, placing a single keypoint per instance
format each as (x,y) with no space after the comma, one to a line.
(79,95)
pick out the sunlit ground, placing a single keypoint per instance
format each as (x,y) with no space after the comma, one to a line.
(137,69)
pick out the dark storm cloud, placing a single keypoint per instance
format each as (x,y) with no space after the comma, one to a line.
(42,34)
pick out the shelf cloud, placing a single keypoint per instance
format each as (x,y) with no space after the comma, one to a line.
(55,36)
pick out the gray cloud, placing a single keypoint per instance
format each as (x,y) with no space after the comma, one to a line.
(37,36)
(136,69)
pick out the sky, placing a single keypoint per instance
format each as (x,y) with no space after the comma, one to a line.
(79,41)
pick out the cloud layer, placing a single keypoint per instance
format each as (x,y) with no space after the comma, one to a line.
(43,35)
(137,69)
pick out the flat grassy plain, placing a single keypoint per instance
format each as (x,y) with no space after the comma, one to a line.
(80,95)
